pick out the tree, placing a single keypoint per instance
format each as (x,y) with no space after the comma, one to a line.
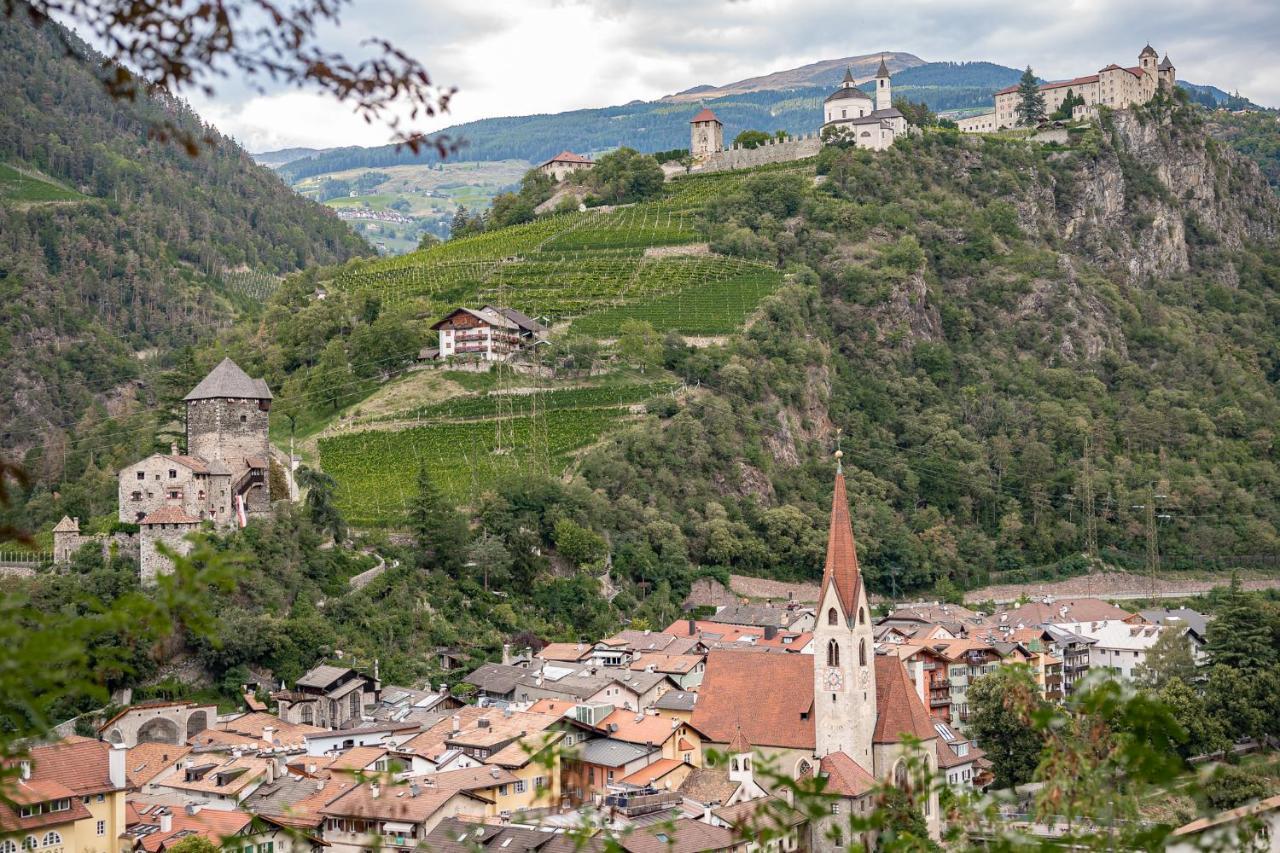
(1233,697)
(489,554)
(1168,658)
(1031,107)
(319,501)
(639,344)
(901,822)
(1205,732)
(917,114)
(1238,637)
(1230,787)
(330,381)
(1001,705)
(180,47)
(440,531)
(625,175)
(1065,110)
(751,138)
(193,844)
(577,544)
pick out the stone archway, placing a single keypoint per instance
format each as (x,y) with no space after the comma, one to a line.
(197,722)
(158,730)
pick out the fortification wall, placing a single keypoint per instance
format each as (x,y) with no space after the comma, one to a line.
(151,562)
(773,151)
(65,545)
(226,429)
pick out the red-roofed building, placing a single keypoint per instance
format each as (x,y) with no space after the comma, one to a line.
(564,163)
(67,796)
(706,135)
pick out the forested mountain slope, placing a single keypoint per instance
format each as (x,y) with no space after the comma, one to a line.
(114,243)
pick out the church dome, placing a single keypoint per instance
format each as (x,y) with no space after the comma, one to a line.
(848,93)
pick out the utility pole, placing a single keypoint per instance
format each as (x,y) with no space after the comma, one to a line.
(1153,515)
(1090,520)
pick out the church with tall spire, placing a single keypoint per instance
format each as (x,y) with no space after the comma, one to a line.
(843,713)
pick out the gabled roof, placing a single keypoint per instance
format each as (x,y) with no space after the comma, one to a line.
(781,717)
(676,700)
(705,115)
(680,836)
(567,156)
(169,515)
(841,570)
(520,319)
(899,710)
(146,761)
(228,380)
(652,773)
(485,315)
(320,677)
(67,526)
(845,776)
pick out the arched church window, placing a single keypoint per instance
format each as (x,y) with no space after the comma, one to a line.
(832,618)
(900,775)
(746,764)
(733,765)
(833,653)
(862,615)
(862,652)
(803,769)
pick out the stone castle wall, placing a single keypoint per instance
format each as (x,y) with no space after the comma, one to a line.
(773,151)
(150,562)
(226,429)
(65,545)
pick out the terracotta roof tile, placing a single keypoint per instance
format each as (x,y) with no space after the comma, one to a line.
(704,115)
(731,684)
(651,773)
(842,555)
(213,824)
(169,515)
(899,710)
(147,760)
(845,776)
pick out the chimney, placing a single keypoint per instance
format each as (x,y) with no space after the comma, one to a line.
(693,627)
(115,766)
(271,772)
(25,768)
(193,808)
(770,631)
(444,689)
(173,448)
(374,790)
(268,734)
(457,723)
(506,654)
(166,821)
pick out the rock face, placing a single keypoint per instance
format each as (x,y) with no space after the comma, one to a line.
(1156,190)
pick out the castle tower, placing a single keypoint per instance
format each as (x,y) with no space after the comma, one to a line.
(1147,61)
(1168,75)
(844,678)
(227,415)
(706,135)
(884,89)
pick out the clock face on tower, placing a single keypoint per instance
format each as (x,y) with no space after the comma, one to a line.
(832,679)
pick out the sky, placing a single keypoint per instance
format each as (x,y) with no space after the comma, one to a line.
(517,57)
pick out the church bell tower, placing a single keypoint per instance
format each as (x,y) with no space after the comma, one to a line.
(844,673)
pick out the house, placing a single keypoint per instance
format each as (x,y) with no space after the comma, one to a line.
(1074,650)
(147,762)
(154,828)
(490,333)
(453,835)
(960,761)
(408,706)
(254,732)
(684,670)
(1254,827)
(791,617)
(850,114)
(563,164)
(158,722)
(383,736)
(853,787)
(785,826)
(331,697)
(66,796)
(496,680)
(674,739)
(682,836)
(676,704)
(216,782)
(376,816)
(928,669)
(1191,619)
(1061,611)
(566,652)
(592,765)
(1122,647)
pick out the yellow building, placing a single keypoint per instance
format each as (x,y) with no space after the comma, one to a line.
(69,797)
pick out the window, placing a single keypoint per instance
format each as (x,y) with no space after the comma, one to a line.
(520,784)
(307,714)
(267,847)
(502,790)
(59,805)
(733,765)
(862,615)
(137,496)
(539,782)
(51,838)
(835,807)
(244,418)
(688,758)
(832,619)
(173,473)
(862,652)
(102,827)
(142,475)
(8,846)
(29,843)
(31,810)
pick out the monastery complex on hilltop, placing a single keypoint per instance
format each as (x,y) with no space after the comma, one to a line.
(1113,86)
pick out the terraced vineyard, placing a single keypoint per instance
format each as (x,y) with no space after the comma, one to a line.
(375,470)
(589,267)
(549,400)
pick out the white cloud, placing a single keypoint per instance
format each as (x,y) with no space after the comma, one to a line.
(530,56)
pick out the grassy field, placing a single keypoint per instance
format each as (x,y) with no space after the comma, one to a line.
(24,187)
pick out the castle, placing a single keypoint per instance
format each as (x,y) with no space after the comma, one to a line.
(849,116)
(1113,86)
(222,478)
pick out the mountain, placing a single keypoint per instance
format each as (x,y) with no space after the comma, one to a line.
(663,125)
(821,74)
(118,247)
(283,156)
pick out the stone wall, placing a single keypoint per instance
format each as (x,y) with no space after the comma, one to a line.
(773,151)
(150,562)
(227,429)
(65,545)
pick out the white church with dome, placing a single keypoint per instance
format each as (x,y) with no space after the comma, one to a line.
(851,115)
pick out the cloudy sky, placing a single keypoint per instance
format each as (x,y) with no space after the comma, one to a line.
(515,57)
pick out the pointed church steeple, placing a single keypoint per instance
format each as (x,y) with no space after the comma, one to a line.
(848,78)
(883,70)
(841,569)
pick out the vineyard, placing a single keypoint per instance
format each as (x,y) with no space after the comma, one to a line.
(375,470)
(587,267)
(491,405)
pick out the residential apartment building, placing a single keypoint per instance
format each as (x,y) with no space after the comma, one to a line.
(68,797)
